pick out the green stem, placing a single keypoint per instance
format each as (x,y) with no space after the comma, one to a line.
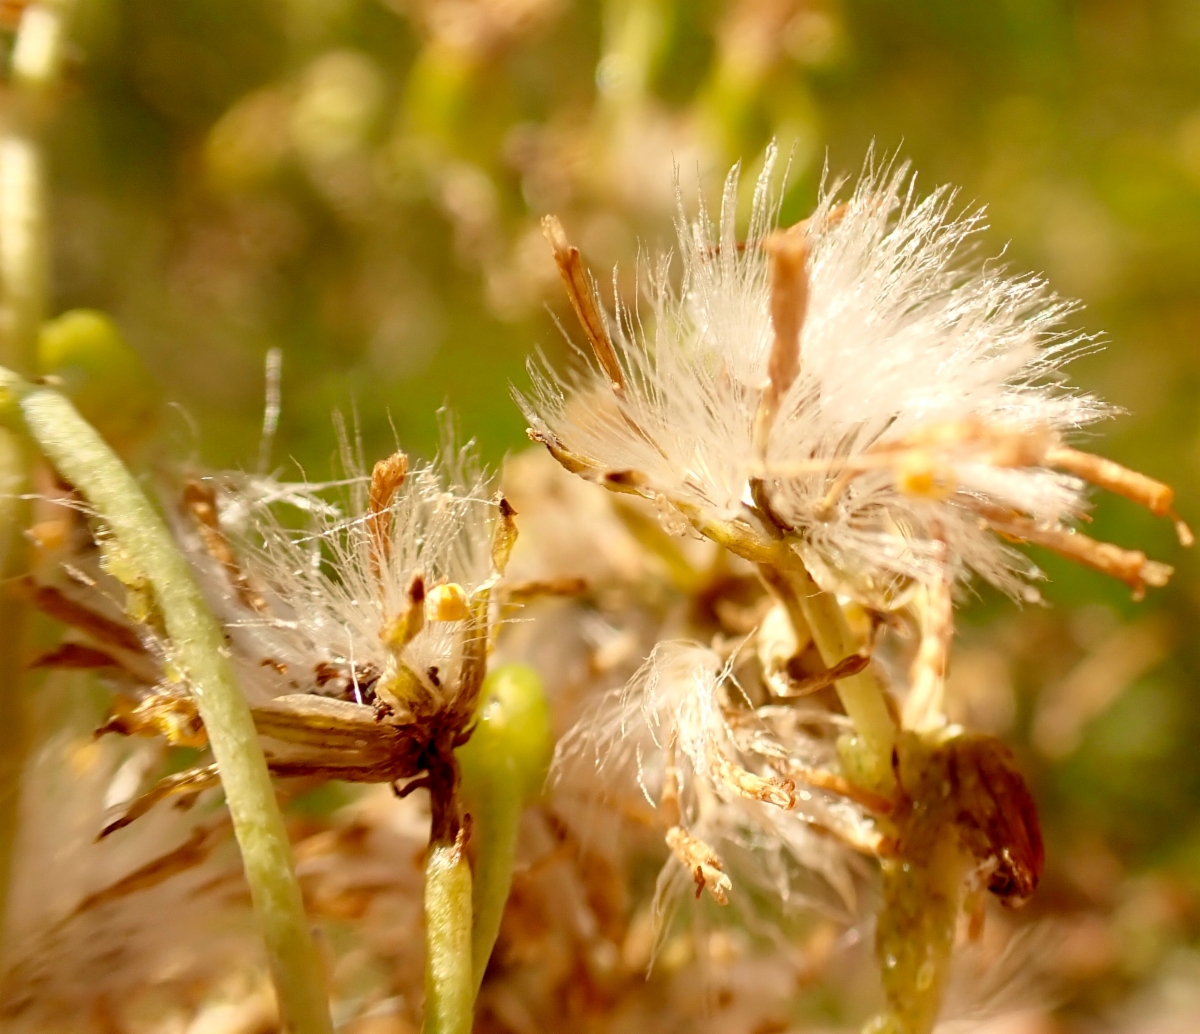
(438,92)
(23,271)
(449,992)
(87,462)
(634,32)
(867,755)
(862,695)
(921,889)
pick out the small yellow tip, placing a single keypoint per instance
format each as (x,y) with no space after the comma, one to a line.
(447,602)
(918,474)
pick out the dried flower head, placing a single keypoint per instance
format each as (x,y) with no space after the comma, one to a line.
(849,380)
(724,778)
(847,406)
(360,626)
(384,596)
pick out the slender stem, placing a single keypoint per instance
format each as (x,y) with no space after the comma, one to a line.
(862,695)
(494,840)
(634,31)
(87,462)
(868,755)
(449,991)
(23,271)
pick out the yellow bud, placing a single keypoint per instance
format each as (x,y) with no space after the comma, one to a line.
(919,474)
(447,602)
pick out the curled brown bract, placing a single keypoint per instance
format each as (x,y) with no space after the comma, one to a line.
(787,254)
(387,478)
(582,295)
(997,816)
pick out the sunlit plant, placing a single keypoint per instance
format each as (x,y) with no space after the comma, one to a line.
(813,436)
(847,407)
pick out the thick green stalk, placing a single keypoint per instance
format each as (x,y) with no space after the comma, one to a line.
(199,649)
(449,992)
(922,889)
(869,758)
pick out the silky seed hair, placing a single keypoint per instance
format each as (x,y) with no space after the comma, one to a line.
(402,547)
(678,732)
(893,402)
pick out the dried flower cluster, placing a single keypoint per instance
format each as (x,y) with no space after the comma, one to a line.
(810,440)
(843,406)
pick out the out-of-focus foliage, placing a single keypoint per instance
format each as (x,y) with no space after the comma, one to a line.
(359,183)
(84,352)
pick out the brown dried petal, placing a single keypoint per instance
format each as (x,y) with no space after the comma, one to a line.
(997,815)
(387,478)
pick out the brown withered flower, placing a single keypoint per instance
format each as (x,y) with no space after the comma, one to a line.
(360,631)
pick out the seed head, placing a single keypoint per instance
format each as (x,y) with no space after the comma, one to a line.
(853,381)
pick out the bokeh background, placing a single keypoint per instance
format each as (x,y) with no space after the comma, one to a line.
(358,183)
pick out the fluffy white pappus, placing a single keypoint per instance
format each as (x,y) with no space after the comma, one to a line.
(900,334)
(681,705)
(317,599)
(779,864)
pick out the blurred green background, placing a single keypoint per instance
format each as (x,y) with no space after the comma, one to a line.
(359,183)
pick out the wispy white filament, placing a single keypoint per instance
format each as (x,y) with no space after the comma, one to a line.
(900,336)
(326,602)
(684,694)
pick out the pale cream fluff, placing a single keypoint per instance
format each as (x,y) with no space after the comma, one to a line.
(331,582)
(902,340)
(682,710)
